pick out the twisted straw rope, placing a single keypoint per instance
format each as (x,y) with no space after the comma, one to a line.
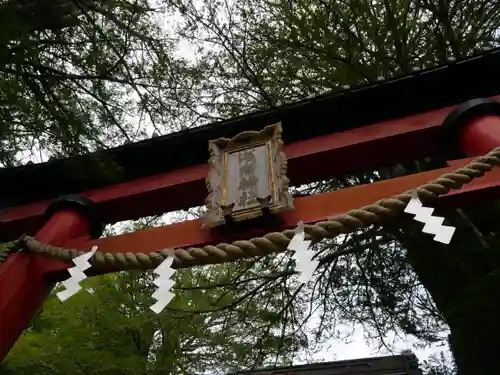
(276,242)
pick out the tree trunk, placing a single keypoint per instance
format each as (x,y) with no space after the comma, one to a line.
(475,327)
(464,281)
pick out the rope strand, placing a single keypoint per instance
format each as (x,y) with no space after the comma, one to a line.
(276,242)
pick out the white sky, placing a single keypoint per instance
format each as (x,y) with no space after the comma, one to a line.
(358,348)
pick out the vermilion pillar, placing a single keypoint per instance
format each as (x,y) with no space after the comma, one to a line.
(474,126)
(25,277)
(480,135)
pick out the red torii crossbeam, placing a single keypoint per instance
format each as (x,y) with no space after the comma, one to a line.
(308,209)
(25,278)
(356,149)
(185,188)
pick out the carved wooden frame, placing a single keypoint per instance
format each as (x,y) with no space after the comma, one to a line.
(279,199)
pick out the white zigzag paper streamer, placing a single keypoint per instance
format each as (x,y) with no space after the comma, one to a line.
(163,295)
(305,264)
(433,224)
(72,284)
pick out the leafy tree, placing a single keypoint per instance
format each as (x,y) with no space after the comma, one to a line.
(260,54)
(439,365)
(208,327)
(83,75)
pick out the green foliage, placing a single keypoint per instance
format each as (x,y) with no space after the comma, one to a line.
(260,54)
(224,317)
(112,330)
(90,86)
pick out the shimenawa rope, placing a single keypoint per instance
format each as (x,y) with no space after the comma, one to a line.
(276,242)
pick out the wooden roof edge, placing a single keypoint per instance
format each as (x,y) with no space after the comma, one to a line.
(400,360)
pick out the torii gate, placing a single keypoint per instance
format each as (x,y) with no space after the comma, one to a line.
(392,121)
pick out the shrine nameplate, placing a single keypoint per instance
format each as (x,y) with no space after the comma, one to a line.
(247,177)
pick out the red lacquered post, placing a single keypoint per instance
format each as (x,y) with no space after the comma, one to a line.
(480,135)
(23,276)
(474,127)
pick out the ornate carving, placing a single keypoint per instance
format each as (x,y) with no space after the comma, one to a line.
(247,176)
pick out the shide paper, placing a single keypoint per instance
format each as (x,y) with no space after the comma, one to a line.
(77,273)
(303,257)
(163,295)
(433,224)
